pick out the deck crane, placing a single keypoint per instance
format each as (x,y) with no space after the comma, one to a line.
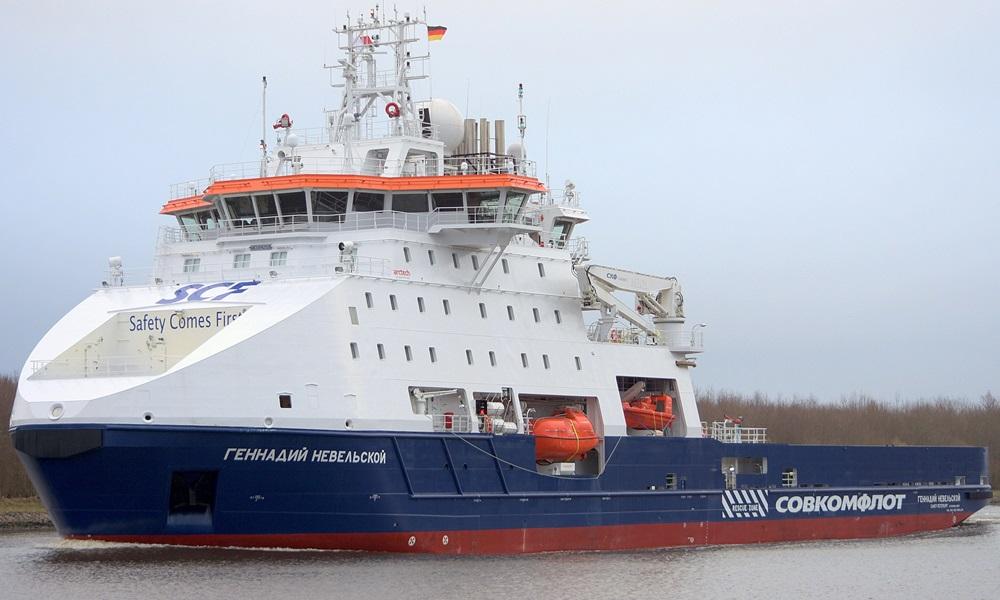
(657,296)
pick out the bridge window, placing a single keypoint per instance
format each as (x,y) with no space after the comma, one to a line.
(541,270)
(430,257)
(406,253)
(420,303)
(468,355)
(483,206)
(279,259)
(447,200)
(513,205)
(493,359)
(510,312)
(506,266)
(368,202)
(241,210)
(408,352)
(454,260)
(293,207)
(524,360)
(558,315)
(411,203)
(329,206)
(538,316)
(354,350)
(381,351)
(434,355)
(241,261)
(560,233)
(579,365)
(482,310)
(392,302)
(207,219)
(475,262)
(447,306)
(267,209)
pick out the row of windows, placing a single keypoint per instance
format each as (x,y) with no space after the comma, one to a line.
(469,356)
(280,259)
(446,307)
(240,261)
(302,206)
(456,261)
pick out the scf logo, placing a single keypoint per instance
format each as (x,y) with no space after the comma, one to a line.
(199,292)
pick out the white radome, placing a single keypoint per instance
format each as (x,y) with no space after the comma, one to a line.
(447,121)
(514,150)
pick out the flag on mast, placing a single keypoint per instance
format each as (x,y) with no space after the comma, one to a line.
(435,32)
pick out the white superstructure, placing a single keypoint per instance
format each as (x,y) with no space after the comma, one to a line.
(397,269)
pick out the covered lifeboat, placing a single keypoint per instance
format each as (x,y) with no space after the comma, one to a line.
(649,412)
(566,436)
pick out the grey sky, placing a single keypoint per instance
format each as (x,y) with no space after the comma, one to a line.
(822,176)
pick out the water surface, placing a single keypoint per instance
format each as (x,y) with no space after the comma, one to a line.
(959,563)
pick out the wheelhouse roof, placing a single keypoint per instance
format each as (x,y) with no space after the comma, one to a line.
(365,182)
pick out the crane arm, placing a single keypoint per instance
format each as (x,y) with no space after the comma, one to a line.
(659,296)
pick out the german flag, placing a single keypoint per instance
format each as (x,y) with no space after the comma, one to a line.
(435,32)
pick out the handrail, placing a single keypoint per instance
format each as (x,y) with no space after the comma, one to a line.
(353,221)
(103,366)
(322,266)
(689,340)
(729,432)
(473,164)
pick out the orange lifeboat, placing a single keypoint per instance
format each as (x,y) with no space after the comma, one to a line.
(566,436)
(650,412)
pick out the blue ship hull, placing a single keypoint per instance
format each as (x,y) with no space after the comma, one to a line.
(472,493)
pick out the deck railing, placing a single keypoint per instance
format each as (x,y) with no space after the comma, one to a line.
(475,164)
(689,340)
(354,221)
(102,366)
(733,433)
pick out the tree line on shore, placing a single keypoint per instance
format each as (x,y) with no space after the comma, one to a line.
(856,419)
(864,420)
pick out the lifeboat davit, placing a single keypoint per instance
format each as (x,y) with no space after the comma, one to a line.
(566,436)
(649,412)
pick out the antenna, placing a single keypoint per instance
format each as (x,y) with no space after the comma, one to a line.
(263,127)
(548,112)
(522,121)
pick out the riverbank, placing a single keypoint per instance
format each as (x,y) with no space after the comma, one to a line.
(23,513)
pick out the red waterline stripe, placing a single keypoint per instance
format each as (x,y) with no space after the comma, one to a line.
(550,539)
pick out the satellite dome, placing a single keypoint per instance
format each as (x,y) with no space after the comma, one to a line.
(447,121)
(515,150)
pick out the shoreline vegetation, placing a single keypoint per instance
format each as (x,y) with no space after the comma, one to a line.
(856,419)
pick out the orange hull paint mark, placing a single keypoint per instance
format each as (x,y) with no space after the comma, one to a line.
(183,204)
(368,182)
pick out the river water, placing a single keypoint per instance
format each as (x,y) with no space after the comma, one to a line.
(960,563)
